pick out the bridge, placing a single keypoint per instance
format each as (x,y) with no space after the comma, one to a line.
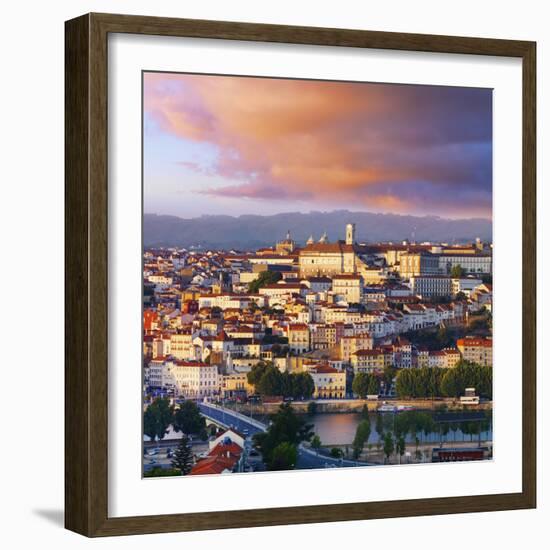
(307,458)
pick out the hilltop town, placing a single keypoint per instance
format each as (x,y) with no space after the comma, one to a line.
(329,319)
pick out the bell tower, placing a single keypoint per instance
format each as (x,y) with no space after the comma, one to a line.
(350,233)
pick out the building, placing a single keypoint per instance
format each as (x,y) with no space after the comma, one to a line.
(194,379)
(470,262)
(285,246)
(443,359)
(324,258)
(236,385)
(226,457)
(465,285)
(329,382)
(402,353)
(298,338)
(431,286)
(476,350)
(368,360)
(349,287)
(182,347)
(350,344)
(413,264)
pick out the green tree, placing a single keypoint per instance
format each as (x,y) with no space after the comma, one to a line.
(362,435)
(312,407)
(268,380)
(379,426)
(335,452)
(256,372)
(183,456)
(271,382)
(303,385)
(457,271)
(285,427)
(188,419)
(264,278)
(284,457)
(389,445)
(316,442)
(365,384)
(467,375)
(388,376)
(157,418)
(400,446)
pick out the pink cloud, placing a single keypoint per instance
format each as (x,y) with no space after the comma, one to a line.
(328,141)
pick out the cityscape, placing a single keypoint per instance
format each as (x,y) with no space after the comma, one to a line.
(275,349)
(382,342)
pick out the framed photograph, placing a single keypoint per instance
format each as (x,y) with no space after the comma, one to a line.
(300,275)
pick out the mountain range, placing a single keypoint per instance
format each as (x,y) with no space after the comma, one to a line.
(252,231)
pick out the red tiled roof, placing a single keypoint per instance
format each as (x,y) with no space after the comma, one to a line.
(475,342)
(213,465)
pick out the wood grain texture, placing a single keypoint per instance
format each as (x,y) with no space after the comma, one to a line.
(86,258)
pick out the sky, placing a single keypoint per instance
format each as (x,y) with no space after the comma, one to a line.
(242,145)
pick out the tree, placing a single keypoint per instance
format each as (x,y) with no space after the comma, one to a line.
(316,442)
(400,446)
(284,457)
(312,407)
(271,382)
(365,384)
(379,426)
(183,456)
(157,418)
(264,278)
(285,427)
(188,419)
(389,446)
(253,377)
(457,271)
(388,377)
(362,435)
(467,375)
(302,384)
(335,452)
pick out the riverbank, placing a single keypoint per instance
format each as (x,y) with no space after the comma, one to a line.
(357,405)
(414,454)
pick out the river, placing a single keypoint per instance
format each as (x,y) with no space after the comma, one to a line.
(339,428)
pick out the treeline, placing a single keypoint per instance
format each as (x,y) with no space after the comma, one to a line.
(186,419)
(439,382)
(269,380)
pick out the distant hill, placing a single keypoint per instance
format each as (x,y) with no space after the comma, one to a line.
(250,231)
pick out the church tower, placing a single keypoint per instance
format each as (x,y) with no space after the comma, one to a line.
(350,233)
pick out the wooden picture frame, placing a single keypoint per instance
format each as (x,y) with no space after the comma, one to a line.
(86,281)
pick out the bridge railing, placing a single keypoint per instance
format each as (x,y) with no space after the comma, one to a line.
(242,417)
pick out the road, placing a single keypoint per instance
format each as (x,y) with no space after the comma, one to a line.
(307,458)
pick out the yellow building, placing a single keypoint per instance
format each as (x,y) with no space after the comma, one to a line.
(298,338)
(330,383)
(235,384)
(350,344)
(368,360)
(477,350)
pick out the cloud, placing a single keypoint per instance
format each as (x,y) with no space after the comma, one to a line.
(403,148)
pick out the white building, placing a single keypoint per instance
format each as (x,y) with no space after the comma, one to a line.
(193,379)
